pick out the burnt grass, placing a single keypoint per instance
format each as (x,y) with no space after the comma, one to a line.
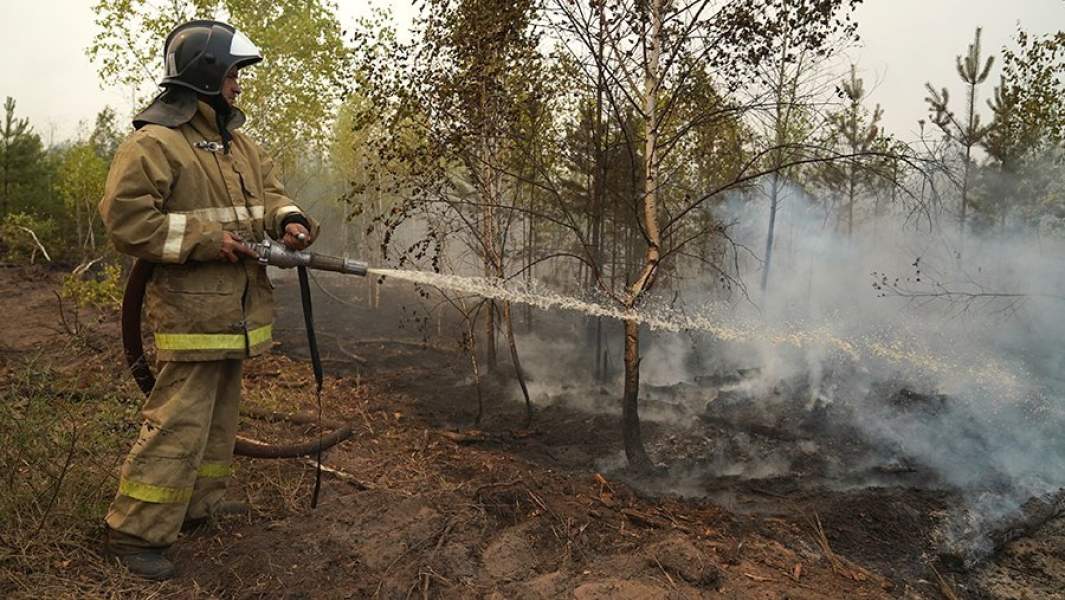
(422,503)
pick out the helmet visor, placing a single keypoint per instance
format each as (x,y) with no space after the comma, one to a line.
(241,46)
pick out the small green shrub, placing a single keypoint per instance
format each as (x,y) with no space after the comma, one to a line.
(101,289)
(17,242)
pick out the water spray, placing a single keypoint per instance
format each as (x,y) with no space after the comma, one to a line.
(883,345)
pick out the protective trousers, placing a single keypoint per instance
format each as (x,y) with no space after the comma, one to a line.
(179,466)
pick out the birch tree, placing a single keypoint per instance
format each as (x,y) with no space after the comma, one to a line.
(654,49)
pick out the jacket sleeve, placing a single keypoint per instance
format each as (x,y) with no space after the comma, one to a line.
(279,209)
(132,208)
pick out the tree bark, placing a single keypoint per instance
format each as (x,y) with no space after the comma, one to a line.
(508,324)
(634,448)
(488,234)
(774,196)
(630,416)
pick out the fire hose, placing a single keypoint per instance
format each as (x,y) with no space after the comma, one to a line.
(267,252)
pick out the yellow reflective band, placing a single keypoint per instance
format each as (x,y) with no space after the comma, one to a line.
(156,494)
(214,470)
(260,335)
(212,341)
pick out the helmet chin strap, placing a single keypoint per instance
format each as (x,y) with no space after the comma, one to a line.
(222,111)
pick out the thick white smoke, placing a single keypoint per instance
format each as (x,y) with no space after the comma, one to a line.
(979,320)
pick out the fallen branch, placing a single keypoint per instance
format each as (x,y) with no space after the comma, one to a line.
(984,538)
(37,241)
(945,587)
(85,266)
(851,571)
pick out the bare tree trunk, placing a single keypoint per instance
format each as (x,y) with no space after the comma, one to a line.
(969,136)
(964,195)
(518,372)
(634,448)
(630,416)
(471,340)
(774,197)
(488,233)
(91,225)
(530,247)
(850,200)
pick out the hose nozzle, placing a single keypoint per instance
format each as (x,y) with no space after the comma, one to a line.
(269,252)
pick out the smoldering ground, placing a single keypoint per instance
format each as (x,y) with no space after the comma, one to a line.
(894,356)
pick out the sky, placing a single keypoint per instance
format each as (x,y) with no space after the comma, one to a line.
(904,43)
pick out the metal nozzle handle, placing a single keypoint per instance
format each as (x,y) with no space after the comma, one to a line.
(339,265)
(278,255)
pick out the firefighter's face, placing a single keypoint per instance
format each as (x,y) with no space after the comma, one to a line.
(231,87)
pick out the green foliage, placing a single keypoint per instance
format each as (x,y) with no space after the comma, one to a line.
(290,97)
(446,116)
(1022,181)
(23,178)
(97,290)
(853,132)
(17,231)
(53,192)
(105,137)
(965,131)
(80,182)
(1033,88)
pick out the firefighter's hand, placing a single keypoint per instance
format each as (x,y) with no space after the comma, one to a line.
(296,236)
(233,248)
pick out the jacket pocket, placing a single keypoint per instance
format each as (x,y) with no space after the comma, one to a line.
(248,181)
(206,278)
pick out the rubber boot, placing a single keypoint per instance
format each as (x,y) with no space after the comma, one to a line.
(147,564)
(143,561)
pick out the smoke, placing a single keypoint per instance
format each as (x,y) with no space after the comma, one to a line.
(968,331)
(942,356)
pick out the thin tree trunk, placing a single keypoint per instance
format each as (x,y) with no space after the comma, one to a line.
(634,448)
(599,186)
(488,232)
(773,199)
(472,349)
(964,196)
(508,325)
(850,201)
(630,417)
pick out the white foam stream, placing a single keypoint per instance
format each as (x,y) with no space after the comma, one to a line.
(884,346)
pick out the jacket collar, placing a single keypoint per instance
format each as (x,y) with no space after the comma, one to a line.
(205,122)
(176,106)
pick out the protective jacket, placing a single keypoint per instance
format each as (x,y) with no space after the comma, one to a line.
(171,192)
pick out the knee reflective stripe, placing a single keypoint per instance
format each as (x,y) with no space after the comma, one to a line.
(214,470)
(212,341)
(157,494)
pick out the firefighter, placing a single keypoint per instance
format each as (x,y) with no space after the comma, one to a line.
(185,190)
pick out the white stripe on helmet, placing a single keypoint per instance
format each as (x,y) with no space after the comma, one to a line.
(242,46)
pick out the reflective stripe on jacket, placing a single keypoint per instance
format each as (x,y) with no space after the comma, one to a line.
(170,194)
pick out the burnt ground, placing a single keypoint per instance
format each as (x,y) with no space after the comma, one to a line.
(422,503)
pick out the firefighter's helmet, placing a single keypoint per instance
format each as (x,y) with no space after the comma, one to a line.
(198,54)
